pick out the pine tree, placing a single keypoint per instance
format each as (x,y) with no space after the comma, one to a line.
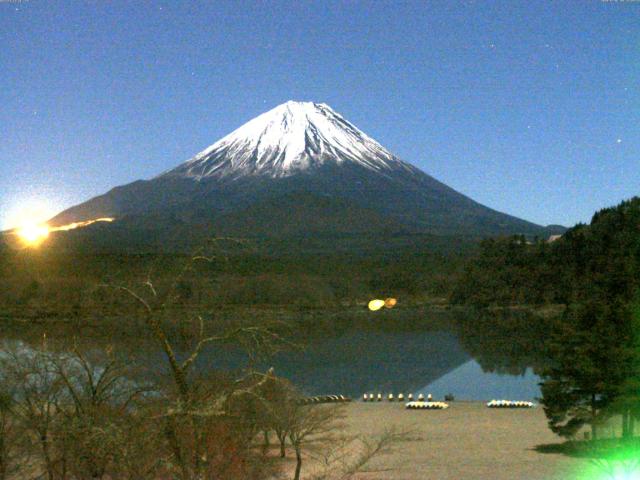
(627,402)
(574,388)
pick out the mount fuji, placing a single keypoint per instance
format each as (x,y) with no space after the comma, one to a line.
(300,169)
(292,138)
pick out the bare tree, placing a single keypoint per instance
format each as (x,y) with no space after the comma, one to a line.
(316,431)
(350,455)
(75,414)
(140,457)
(98,412)
(192,410)
(38,392)
(13,455)
(311,425)
(280,400)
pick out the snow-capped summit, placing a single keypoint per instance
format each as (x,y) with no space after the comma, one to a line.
(290,138)
(298,170)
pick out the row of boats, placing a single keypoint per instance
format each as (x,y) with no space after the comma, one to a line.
(370,397)
(509,404)
(421,403)
(427,403)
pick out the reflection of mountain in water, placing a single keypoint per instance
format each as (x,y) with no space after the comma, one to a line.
(354,358)
(359,362)
(504,347)
(471,382)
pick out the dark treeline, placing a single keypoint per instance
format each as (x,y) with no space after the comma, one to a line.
(513,271)
(593,348)
(505,341)
(61,283)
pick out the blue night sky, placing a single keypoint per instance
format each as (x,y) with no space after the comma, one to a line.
(531,108)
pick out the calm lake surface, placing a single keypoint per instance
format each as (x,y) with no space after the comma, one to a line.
(487,358)
(382,362)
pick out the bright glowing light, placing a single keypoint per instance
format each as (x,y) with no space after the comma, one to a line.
(390,302)
(26,212)
(33,234)
(376,305)
(617,470)
(613,459)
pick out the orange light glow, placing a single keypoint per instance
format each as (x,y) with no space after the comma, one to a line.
(86,223)
(390,302)
(32,234)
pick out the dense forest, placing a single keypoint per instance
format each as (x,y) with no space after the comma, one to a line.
(302,274)
(592,350)
(514,271)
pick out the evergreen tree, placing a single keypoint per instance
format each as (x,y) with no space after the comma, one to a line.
(627,402)
(589,360)
(594,350)
(595,354)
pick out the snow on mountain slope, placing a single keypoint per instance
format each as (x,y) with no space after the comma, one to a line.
(305,166)
(290,138)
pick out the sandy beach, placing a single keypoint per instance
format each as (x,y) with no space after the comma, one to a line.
(466,441)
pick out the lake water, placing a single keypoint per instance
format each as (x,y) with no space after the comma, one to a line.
(382,362)
(460,361)
(470,382)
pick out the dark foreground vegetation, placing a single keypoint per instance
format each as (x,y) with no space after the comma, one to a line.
(75,415)
(71,409)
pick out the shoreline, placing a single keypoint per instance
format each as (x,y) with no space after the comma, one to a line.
(465,441)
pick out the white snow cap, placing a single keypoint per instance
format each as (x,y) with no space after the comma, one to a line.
(290,138)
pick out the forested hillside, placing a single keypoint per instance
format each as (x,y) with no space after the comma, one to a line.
(592,350)
(293,273)
(511,271)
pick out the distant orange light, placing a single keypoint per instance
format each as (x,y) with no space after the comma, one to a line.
(390,302)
